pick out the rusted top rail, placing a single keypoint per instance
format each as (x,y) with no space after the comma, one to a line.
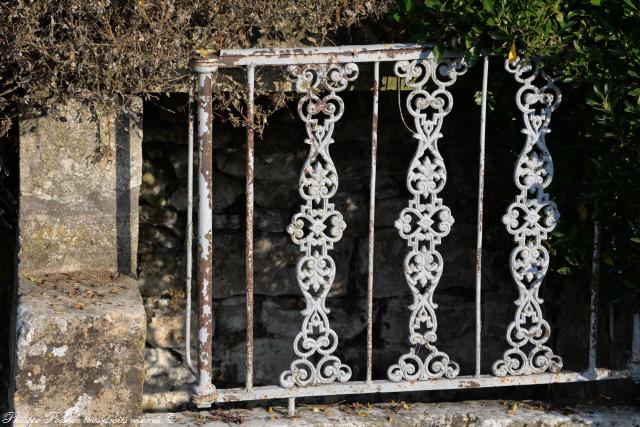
(315,55)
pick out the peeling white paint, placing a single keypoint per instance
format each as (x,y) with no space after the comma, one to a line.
(207,310)
(203,128)
(205,288)
(203,334)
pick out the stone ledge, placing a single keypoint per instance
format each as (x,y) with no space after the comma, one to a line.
(471,413)
(79,346)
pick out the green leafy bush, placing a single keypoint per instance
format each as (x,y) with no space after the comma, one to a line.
(595,48)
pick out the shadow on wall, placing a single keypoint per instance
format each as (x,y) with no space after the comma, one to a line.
(8,236)
(124,196)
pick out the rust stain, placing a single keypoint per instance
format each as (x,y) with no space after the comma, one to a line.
(249,225)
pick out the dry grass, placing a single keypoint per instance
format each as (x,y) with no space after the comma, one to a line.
(100,50)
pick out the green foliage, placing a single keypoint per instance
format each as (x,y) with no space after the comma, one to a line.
(595,47)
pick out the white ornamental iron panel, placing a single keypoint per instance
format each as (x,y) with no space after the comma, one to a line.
(318,225)
(426,220)
(530,219)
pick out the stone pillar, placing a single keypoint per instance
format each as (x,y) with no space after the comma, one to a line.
(80,322)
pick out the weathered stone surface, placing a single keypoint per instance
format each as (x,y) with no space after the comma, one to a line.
(165,372)
(277,195)
(388,210)
(167,218)
(79,183)
(230,316)
(79,346)
(272,220)
(272,162)
(167,380)
(226,190)
(161,270)
(166,321)
(275,258)
(389,254)
(456,414)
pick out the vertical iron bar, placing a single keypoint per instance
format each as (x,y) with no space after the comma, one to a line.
(595,291)
(205,234)
(249,218)
(189,243)
(291,406)
(483,127)
(372,214)
(612,323)
(634,362)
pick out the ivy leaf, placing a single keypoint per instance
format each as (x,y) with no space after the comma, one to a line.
(438,51)
(408,5)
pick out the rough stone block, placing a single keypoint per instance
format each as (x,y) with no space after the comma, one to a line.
(79,346)
(80,175)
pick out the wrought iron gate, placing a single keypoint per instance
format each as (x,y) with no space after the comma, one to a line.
(319,75)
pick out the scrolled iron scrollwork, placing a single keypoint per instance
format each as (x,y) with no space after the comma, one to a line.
(530,218)
(426,220)
(318,225)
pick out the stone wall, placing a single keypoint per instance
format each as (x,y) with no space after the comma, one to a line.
(79,187)
(280,153)
(78,329)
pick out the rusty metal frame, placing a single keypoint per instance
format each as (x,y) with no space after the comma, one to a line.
(205,386)
(372,216)
(315,55)
(385,386)
(205,67)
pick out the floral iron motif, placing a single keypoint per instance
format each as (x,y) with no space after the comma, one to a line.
(530,219)
(426,220)
(318,225)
